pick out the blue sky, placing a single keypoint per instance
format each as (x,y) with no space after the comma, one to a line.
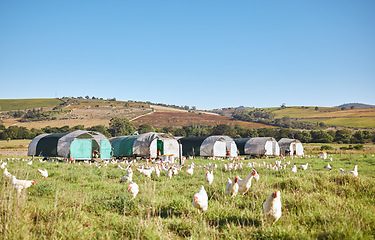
(206,53)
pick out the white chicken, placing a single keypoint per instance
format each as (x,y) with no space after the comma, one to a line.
(200,200)
(127,178)
(328,167)
(133,189)
(170,173)
(232,187)
(157,171)
(145,172)
(304,167)
(294,168)
(19,185)
(6,173)
(30,163)
(355,171)
(209,177)
(190,171)
(272,207)
(3,165)
(44,172)
(245,184)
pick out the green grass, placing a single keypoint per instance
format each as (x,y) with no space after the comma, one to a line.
(22,104)
(360,122)
(298,112)
(81,202)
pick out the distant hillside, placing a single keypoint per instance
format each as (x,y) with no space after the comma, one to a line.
(22,104)
(355,105)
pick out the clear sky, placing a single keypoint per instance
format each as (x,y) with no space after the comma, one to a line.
(203,53)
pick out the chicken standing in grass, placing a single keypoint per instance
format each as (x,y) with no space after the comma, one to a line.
(6,173)
(145,172)
(200,200)
(328,167)
(44,172)
(3,165)
(170,173)
(232,187)
(190,171)
(245,184)
(304,167)
(127,178)
(272,207)
(355,171)
(294,168)
(133,189)
(209,177)
(19,185)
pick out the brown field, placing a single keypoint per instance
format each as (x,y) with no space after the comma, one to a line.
(177,119)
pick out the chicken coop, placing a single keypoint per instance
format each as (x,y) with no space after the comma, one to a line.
(258,146)
(145,145)
(213,146)
(292,147)
(78,145)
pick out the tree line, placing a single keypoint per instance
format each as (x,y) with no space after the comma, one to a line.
(123,127)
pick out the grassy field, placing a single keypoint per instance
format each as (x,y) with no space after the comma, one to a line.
(83,202)
(22,104)
(360,122)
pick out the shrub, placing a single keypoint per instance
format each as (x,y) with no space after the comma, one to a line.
(358,146)
(326,147)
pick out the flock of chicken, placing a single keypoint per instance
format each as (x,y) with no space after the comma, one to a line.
(271,207)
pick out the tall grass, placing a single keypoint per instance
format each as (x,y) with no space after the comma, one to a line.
(81,202)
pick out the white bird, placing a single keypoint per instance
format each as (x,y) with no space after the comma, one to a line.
(200,200)
(190,171)
(43,173)
(245,184)
(6,173)
(127,178)
(133,189)
(145,172)
(272,207)
(170,173)
(29,163)
(157,171)
(355,171)
(294,168)
(3,165)
(232,187)
(118,165)
(19,185)
(209,177)
(328,167)
(304,167)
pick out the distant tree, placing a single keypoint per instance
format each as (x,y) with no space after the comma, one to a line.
(100,128)
(352,107)
(316,108)
(193,108)
(343,108)
(343,136)
(145,128)
(120,127)
(224,129)
(78,127)
(87,97)
(282,106)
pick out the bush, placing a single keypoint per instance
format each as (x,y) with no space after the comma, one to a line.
(358,146)
(326,147)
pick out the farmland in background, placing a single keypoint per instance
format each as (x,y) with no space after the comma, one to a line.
(21,104)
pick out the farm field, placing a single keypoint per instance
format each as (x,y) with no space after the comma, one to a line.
(323,112)
(84,202)
(360,122)
(174,119)
(15,104)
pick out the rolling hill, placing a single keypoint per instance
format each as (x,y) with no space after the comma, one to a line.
(91,112)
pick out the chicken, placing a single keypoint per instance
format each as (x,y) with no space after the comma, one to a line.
(170,173)
(355,171)
(157,171)
(133,189)
(30,163)
(304,167)
(190,171)
(43,173)
(245,184)
(127,178)
(328,167)
(118,165)
(200,200)
(6,173)
(272,207)
(19,185)
(3,165)
(294,168)
(232,187)
(209,177)
(145,172)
